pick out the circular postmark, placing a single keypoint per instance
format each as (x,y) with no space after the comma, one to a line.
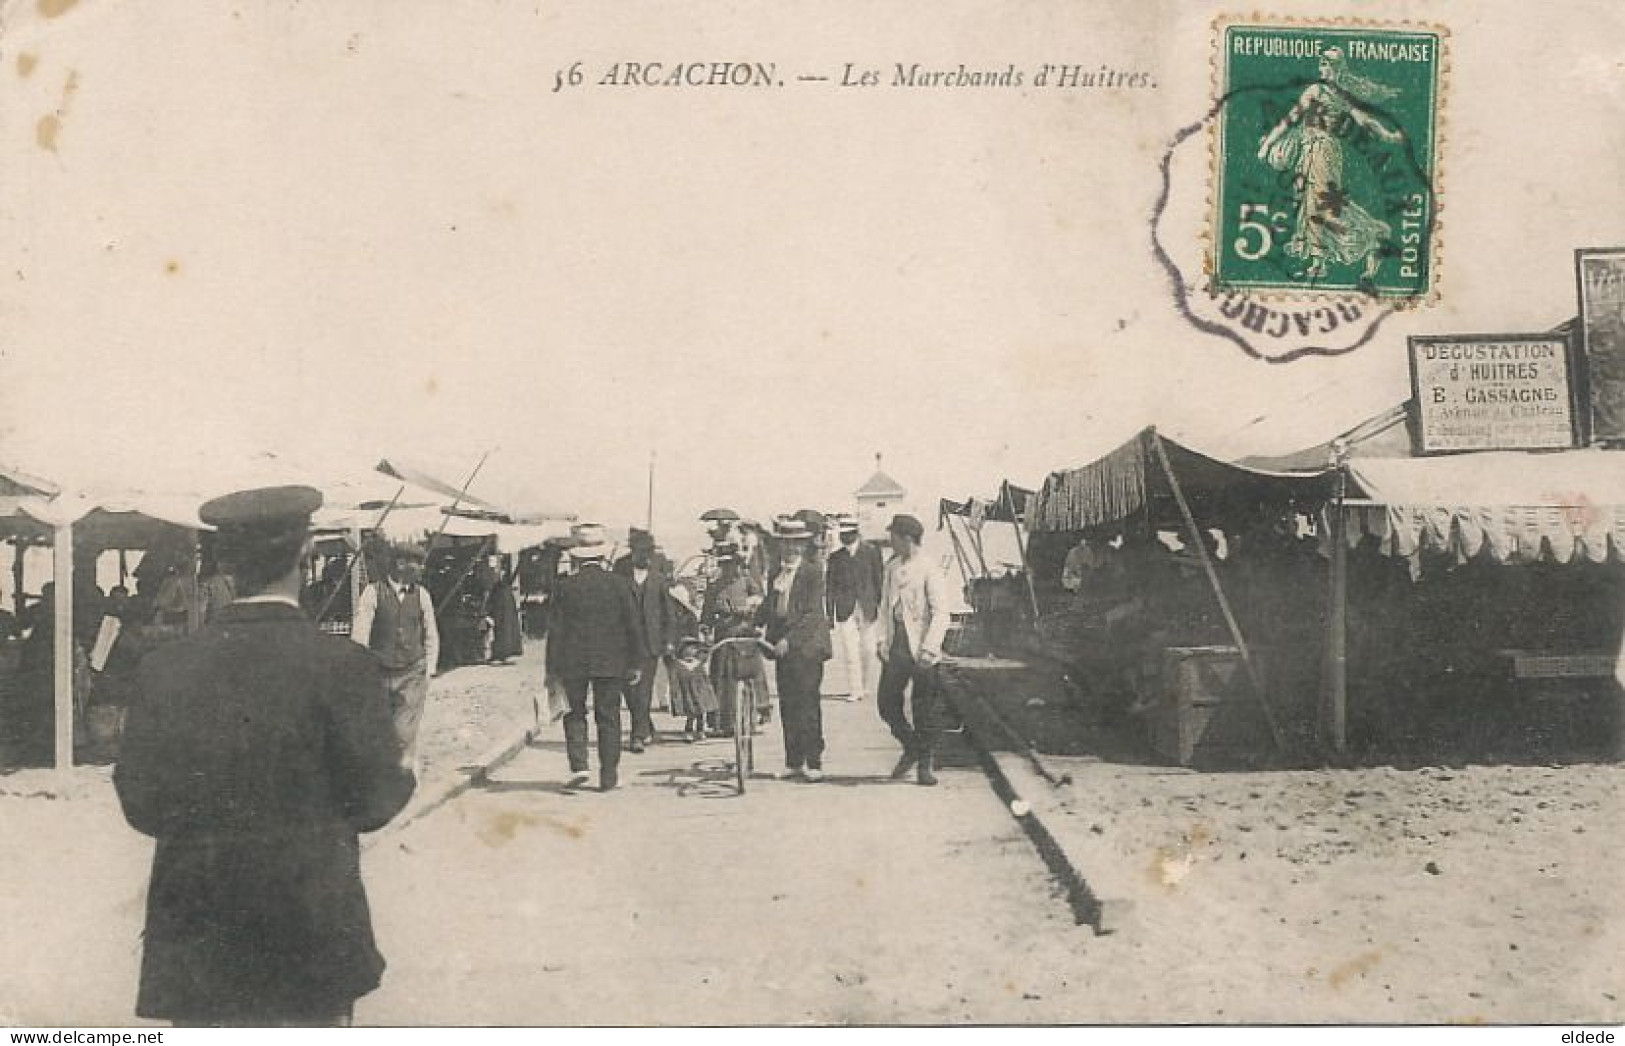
(1300,211)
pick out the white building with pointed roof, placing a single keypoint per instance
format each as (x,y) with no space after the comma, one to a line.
(878,500)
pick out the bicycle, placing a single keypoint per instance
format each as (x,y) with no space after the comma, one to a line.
(745,697)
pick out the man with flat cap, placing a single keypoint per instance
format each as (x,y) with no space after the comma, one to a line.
(255,752)
(914,619)
(595,643)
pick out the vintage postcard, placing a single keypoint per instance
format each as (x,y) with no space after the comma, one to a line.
(596,514)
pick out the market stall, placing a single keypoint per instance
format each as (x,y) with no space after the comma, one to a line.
(1493,583)
(1185,595)
(992,560)
(67,662)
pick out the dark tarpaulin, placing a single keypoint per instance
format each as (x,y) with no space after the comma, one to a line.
(1121,484)
(1009,506)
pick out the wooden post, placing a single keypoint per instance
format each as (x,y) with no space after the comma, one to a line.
(358,578)
(649,517)
(1337,620)
(62,643)
(1021,548)
(1218,591)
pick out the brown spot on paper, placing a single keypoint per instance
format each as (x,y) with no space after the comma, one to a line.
(172,267)
(56,8)
(26,63)
(50,125)
(1358,966)
(573,830)
(46,130)
(500,829)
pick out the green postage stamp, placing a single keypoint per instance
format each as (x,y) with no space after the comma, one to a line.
(1325,159)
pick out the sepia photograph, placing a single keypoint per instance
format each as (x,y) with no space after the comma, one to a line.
(1026,514)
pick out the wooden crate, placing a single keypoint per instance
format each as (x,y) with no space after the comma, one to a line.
(1207,715)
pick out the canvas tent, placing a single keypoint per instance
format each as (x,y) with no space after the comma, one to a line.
(1512,506)
(1150,468)
(966,522)
(1505,507)
(67,522)
(1155,482)
(37,512)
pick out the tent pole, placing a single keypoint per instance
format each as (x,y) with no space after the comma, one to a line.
(976,546)
(1218,590)
(62,644)
(1021,549)
(479,554)
(350,577)
(1337,623)
(959,551)
(358,580)
(947,521)
(19,550)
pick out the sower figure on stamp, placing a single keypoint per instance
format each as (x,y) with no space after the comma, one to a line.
(595,643)
(914,618)
(855,575)
(650,576)
(396,621)
(1309,142)
(254,753)
(793,614)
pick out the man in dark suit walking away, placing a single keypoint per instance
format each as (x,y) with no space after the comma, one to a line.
(799,633)
(254,753)
(650,577)
(595,642)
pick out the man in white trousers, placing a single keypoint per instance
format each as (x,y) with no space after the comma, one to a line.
(854,575)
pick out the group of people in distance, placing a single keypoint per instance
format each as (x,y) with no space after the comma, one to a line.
(606,639)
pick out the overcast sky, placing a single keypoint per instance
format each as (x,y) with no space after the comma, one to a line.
(351,229)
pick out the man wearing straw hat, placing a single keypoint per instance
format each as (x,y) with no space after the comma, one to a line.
(855,575)
(254,753)
(395,620)
(595,644)
(799,633)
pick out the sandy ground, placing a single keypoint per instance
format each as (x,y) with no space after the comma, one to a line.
(73,878)
(471,709)
(1477,893)
(1465,894)
(676,901)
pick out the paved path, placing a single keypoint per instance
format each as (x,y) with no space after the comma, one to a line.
(674,901)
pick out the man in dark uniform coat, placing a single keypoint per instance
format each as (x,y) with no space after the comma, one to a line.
(650,576)
(596,642)
(854,577)
(254,753)
(799,632)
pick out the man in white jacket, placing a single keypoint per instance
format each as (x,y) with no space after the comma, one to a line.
(914,618)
